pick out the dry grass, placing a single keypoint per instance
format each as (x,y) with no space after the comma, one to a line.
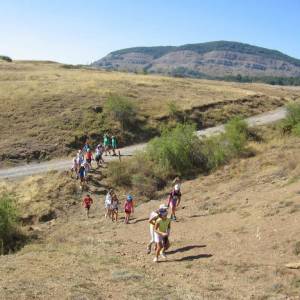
(43,197)
(44,106)
(81,258)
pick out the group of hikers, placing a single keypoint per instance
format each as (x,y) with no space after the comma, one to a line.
(160,224)
(82,162)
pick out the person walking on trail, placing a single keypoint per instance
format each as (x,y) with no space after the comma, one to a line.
(106,143)
(82,176)
(107,203)
(128,208)
(98,156)
(114,145)
(162,230)
(75,167)
(80,157)
(89,157)
(152,219)
(177,183)
(87,202)
(86,146)
(114,208)
(174,201)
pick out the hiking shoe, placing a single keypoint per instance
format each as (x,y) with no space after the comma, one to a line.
(155,259)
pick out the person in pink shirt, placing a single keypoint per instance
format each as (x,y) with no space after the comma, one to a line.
(128,208)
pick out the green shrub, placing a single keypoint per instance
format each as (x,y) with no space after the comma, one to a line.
(176,150)
(236,131)
(121,109)
(173,109)
(5,58)
(292,119)
(8,222)
(219,149)
(214,151)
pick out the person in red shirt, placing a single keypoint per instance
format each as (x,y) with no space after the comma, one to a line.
(87,202)
(89,157)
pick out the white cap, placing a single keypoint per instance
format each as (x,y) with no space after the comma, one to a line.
(177,187)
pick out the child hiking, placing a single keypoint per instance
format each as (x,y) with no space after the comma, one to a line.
(106,143)
(128,208)
(114,208)
(107,203)
(82,176)
(174,201)
(152,219)
(162,229)
(87,202)
(114,145)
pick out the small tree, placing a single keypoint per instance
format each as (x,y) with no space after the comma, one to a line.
(121,110)
(173,109)
(8,221)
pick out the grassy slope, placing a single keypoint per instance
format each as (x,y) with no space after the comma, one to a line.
(245,215)
(44,106)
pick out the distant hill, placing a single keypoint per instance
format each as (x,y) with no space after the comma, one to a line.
(206,60)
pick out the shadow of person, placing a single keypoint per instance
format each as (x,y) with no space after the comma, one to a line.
(140,220)
(186,248)
(193,257)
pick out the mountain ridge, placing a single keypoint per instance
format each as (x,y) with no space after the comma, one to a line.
(213,59)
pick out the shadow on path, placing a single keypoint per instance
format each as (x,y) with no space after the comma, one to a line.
(186,248)
(193,257)
(140,220)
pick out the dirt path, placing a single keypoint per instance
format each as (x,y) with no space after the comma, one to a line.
(64,164)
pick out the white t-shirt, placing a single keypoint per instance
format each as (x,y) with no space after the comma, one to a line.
(108,199)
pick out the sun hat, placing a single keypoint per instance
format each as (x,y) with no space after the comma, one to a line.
(129,198)
(163,212)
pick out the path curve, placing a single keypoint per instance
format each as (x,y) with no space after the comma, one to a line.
(65,164)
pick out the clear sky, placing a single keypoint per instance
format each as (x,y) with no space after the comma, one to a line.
(81,31)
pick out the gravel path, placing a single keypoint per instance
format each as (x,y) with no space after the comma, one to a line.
(64,164)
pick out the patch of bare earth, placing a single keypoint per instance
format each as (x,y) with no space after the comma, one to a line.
(236,231)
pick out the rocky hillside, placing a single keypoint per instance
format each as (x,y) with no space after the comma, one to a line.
(213,59)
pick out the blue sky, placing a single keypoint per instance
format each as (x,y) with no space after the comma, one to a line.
(81,31)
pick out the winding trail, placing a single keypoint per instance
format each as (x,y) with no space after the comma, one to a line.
(65,164)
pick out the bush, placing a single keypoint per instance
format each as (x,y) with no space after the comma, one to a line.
(292,120)
(236,131)
(5,58)
(219,149)
(214,151)
(121,109)
(176,151)
(8,223)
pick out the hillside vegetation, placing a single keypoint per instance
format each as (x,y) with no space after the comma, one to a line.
(213,60)
(48,109)
(237,229)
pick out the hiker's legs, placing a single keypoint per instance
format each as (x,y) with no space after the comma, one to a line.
(158,249)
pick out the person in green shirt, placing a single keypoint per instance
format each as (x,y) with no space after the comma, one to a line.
(106,143)
(162,229)
(114,144)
